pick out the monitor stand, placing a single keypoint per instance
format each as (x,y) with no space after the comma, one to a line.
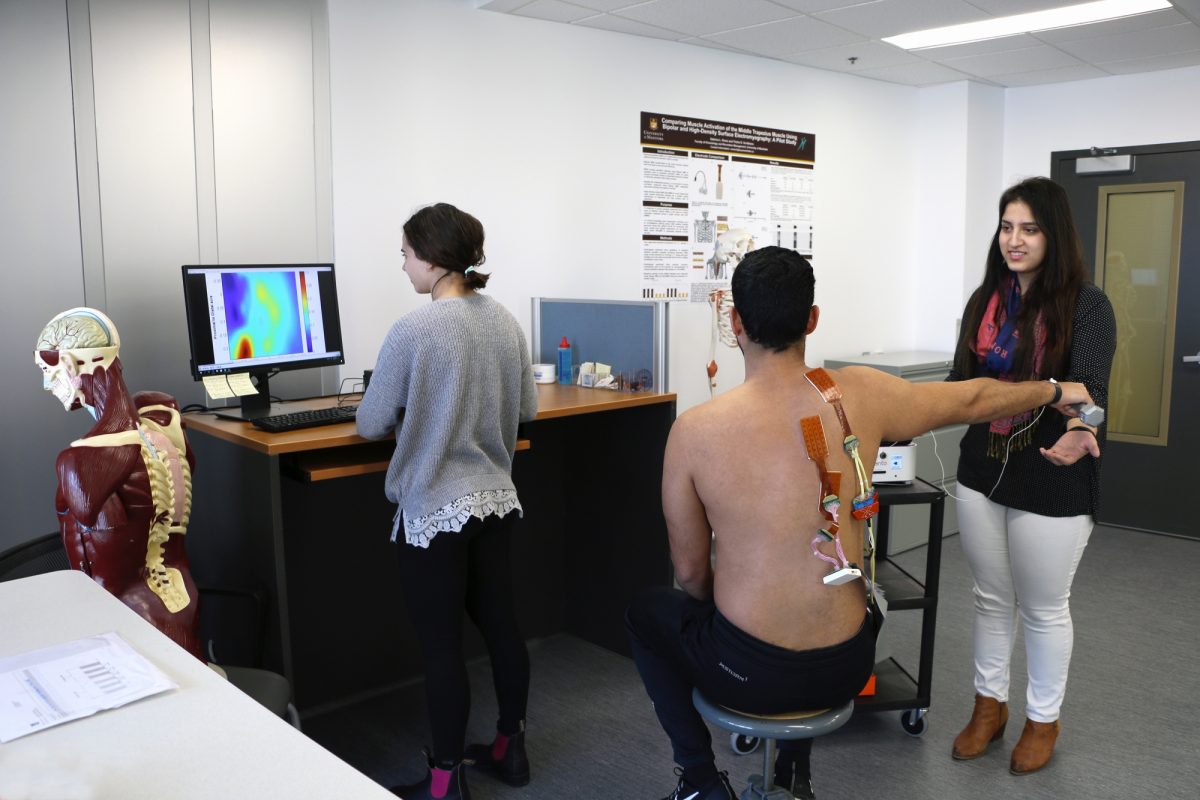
(253,405)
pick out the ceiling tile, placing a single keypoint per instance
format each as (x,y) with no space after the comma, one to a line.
(503,6)
(1141,22)
(1169,61)
(869,55)
(606,5)
(813,6)
(1080,72)
(891,17)
(826,33)
(610,22)
(1191,8)
(786,36)
(1013,61)
(554,10)
(702,17)
(1006,8)
(921,73)
(1139,44)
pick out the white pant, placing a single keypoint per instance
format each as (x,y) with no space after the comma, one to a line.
(1022,562)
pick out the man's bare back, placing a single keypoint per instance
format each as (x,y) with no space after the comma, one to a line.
(747,459)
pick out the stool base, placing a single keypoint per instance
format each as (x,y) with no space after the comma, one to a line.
(755,791)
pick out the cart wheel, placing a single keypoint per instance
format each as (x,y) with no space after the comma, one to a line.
(913,721)
(743,745)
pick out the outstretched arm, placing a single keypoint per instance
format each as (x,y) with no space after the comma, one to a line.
(907,410)
(688,530)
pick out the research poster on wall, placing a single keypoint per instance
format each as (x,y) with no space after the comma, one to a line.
(712,192)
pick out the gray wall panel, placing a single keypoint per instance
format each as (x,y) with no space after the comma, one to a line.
(262,94)
(142,75)
(39,254)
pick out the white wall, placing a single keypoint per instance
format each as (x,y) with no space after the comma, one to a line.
(1124,110)
(533,127)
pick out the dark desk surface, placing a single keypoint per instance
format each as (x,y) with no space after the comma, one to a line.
(554,400)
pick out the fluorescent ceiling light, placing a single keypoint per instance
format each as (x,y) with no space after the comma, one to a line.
(1024,23)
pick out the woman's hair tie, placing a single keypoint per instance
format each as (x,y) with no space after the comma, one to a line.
(468,270)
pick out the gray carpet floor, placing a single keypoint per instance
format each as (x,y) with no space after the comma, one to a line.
(1129,721)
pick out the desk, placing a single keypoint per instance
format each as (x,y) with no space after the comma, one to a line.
(302,515)
(201,741)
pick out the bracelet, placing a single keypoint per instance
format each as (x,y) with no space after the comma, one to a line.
(1085,429)
(1057,392)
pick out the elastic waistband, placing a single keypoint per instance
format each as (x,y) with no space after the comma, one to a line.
(772,653)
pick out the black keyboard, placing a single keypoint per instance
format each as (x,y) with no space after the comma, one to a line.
(305,419)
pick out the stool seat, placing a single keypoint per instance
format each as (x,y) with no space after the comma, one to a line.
(793,725)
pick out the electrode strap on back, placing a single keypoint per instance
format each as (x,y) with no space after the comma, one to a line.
(830,504)
(865,505)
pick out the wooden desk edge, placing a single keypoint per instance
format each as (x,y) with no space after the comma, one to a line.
(325,465)
(554,401)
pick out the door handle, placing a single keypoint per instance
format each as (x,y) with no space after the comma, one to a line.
(1192,359)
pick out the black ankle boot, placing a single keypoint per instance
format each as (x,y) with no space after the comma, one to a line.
(454,781)
(799,785)
(511,768)
(793,773)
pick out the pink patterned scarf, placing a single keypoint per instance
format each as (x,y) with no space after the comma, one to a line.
(995,345)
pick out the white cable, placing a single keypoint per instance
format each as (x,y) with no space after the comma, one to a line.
(1004,464)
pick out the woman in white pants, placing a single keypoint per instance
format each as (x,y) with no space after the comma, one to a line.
(1029,483)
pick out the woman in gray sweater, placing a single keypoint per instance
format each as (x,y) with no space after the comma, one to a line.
(451,383)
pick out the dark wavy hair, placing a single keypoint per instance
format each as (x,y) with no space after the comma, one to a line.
(773,294)
(448,238)
(1052,294)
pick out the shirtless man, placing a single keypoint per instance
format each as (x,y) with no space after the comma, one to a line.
(762,631)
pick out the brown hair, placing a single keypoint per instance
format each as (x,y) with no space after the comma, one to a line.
(1052,294)
(448,238)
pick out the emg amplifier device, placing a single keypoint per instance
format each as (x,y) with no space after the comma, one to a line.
(895,463)
(1091,414)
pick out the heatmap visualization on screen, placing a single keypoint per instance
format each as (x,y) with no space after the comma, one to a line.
(263,314)
(244,317)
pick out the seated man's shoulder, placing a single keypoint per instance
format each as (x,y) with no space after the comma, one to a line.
(854,376)
(859,384)
(710,412)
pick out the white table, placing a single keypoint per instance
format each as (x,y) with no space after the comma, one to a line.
(204,740)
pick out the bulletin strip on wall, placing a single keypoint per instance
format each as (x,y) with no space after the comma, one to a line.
(712,192)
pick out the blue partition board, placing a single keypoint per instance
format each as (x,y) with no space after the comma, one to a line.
(622,334)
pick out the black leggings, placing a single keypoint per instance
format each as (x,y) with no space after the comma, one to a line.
(679,643)
(468,570)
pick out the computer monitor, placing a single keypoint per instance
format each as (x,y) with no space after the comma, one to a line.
(260,319)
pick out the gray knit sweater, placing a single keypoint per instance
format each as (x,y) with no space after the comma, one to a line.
(452,380)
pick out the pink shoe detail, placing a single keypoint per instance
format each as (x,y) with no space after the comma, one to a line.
(439,784)
(499,746)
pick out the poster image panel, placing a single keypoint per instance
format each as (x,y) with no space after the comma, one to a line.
(712,192)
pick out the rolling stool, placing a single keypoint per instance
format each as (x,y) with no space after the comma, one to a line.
(796,725)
